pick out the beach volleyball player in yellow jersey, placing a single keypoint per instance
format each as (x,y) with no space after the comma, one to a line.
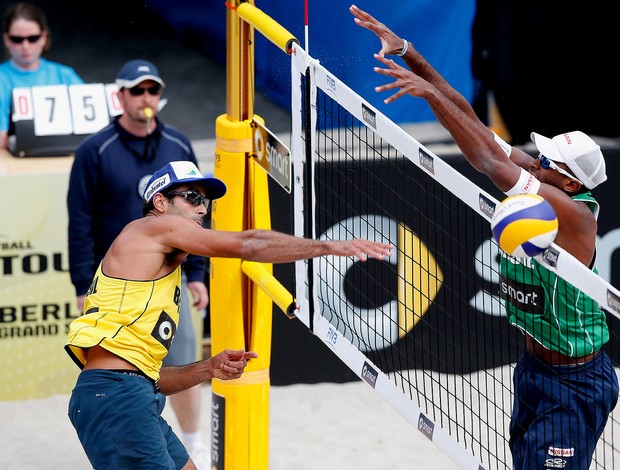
(131,313)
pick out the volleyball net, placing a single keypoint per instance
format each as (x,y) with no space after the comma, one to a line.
(426,329)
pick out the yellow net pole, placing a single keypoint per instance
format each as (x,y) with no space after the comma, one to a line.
(267,26)
(233,403)
(241,310)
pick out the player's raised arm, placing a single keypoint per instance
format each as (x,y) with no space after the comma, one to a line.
(391,44)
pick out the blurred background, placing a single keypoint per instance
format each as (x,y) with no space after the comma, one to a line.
(97,38)
(547,65)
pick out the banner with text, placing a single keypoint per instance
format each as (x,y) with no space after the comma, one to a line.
(37,300)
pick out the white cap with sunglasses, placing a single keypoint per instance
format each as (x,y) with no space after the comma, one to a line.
(135,72)
(175,173)
(578,151)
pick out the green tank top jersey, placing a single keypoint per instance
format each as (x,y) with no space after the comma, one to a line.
(552,311)
(136,320)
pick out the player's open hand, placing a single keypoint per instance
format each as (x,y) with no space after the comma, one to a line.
(363,249)
(230,364)
(405,81)
(390,43)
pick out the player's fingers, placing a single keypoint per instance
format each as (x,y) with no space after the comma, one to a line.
(393,71)
(361,14)
(382,58)
(378,250)
(387,86)
(381,71)
(394,97)
(400,80)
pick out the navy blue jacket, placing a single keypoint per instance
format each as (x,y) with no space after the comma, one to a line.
(109,173)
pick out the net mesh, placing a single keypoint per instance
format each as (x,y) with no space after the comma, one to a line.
(431,341)
(430,319)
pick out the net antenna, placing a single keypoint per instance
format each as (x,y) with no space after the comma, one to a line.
(426,329)
(306,32)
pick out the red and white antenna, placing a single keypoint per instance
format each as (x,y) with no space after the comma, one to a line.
(306,27)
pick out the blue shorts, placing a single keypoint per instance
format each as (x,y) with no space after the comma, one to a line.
(560,412)
(183,349)
(118,421)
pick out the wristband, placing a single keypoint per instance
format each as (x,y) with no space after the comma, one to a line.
(527,184)
(404,49)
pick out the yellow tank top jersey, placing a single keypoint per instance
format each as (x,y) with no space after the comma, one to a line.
(136,320)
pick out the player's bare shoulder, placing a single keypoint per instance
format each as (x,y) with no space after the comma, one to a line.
(171,229)
(151,227)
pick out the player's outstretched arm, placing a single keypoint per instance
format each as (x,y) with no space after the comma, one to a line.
(265,246)
(275,247)
(475,140)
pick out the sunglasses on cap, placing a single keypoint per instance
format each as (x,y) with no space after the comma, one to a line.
(547,163)
(193,197)
(138,91)
(19,39)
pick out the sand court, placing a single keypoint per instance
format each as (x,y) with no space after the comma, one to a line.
(321,426)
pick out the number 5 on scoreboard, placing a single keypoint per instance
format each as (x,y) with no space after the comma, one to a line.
(88,108)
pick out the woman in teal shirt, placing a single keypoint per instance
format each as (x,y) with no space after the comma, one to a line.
(26,37)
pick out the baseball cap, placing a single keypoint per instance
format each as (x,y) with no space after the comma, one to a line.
(137,71)
(179,173)
(578,151)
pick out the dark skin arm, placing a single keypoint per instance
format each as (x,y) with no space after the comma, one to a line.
(577,225)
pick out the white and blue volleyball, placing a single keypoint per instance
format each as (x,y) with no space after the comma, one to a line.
(524,225)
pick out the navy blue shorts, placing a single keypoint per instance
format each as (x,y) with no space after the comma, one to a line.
(560,412)
(118,421)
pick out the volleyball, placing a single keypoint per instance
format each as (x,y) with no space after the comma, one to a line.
(524,225)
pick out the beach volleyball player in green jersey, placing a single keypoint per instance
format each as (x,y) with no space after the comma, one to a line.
(565,385)
(131,313)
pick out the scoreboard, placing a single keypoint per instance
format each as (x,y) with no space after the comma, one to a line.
(52,120)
